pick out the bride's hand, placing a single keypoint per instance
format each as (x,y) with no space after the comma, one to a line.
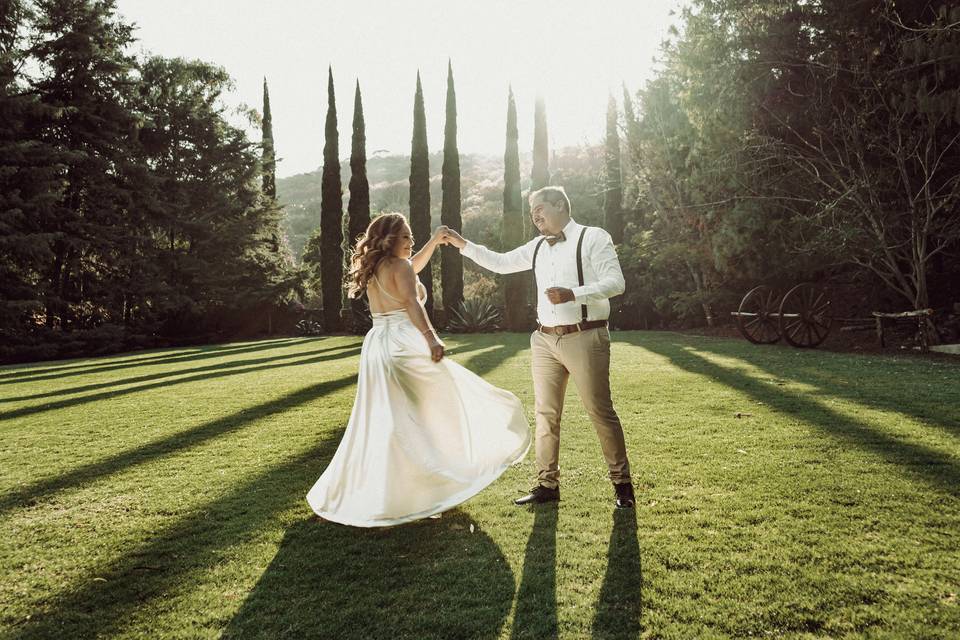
(436,349)
(440,234)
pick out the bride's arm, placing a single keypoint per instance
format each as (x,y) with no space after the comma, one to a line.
(405,280)
(422,258)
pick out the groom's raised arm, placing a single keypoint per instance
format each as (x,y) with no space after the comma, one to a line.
(519,259)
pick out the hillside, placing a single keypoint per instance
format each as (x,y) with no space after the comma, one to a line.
(577,168)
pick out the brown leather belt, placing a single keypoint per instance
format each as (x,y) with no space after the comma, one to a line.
(564,329)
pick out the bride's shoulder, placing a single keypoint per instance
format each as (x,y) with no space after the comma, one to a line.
(395,266)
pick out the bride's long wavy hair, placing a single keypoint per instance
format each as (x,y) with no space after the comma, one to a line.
(375,244)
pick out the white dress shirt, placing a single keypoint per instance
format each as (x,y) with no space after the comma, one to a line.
(557,267)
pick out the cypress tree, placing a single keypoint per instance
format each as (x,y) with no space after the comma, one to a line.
(268,164)
(515,294)
(630,189)
(420,188)
(358,209)
(612,187)
(269,159)
(451,262)
(272,210)
(331,218)
(539,174)
(632,126)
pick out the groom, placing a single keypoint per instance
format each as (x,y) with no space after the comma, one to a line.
(577,271)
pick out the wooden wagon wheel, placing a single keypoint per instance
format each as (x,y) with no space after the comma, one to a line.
(805,316)
(757,315)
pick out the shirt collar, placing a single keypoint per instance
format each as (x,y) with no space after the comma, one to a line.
(571,229)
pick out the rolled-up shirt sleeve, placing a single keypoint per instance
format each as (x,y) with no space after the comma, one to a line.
(603,257)
(519,259)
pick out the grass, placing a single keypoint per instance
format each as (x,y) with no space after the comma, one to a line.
(161,495)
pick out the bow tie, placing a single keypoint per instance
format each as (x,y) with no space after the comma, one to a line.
(552,240)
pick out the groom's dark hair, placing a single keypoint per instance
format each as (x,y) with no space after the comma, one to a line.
(554,195)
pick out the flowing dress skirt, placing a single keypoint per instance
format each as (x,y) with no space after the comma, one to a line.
(422,437)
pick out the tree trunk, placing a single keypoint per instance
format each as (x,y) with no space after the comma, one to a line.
(56,287)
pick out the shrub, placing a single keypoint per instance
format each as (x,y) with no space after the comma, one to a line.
(475,315)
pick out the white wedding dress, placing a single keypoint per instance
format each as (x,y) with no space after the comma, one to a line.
(423,436)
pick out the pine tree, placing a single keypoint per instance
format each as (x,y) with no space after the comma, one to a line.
(86,78)
(612,187)
(331,214)
(126,198)
(420,188)
(213,250)
(29,184)
(358,209)
(451,262)
(515,294)
(269,158)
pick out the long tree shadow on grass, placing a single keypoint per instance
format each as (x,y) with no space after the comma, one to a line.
(871,384)
(428,579)
(432,579)
(174,443)
(535,616)
(937,468)
(29,373)
(457,584)
(348,348)
(176,559)
(480,364)
(107,395)
(621,597)
(487,359)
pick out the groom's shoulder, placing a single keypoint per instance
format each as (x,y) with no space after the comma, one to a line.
(596,233)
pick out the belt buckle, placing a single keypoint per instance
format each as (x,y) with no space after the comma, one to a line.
(561,330)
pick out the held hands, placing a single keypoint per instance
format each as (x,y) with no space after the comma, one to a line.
(559,295)
(446,235)
(439,235)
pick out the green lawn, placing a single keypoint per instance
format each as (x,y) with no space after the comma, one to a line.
(161,495)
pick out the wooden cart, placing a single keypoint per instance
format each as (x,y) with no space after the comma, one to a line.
(801,317)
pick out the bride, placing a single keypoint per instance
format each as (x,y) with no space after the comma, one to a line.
(425,434)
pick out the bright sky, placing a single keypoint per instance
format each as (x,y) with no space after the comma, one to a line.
(573,53)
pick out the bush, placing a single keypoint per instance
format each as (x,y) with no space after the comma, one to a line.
(47,344)
(475,315)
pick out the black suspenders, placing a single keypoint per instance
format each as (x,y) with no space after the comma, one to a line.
(535,252)
(583,307)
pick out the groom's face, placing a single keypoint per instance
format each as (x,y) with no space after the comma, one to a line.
(548,218)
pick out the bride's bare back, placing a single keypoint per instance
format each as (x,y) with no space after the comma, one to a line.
(383,291)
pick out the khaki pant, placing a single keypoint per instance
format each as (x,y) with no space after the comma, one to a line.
(584,355)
